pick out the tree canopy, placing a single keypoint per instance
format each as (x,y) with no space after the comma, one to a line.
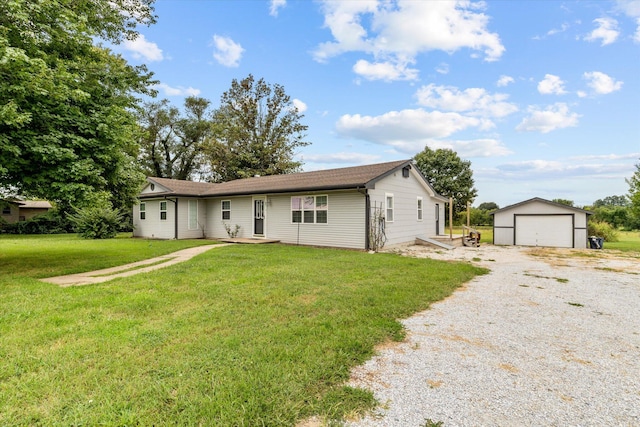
(488,206)
(634,194)
(67,131)
(172,143)
(449,175)
(256,131)
(611,201)
(564,202)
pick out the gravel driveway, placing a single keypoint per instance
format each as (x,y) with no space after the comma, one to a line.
(548,338)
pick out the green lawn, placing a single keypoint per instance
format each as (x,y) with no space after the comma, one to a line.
(241,335)
(628,241)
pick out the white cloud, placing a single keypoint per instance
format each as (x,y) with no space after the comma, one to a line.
(141,48)
(564,27)
(504,81)
(631,8)
(443,68)
(473,148)
(607,31)
(556,116)
(551,85)
(632,156)
(342,158)
(601,83)
(396,32)
(275,6)
(301,106)
(557,169)
(475,101)
(387,71)
(177,91)
(227,52)
(407,130)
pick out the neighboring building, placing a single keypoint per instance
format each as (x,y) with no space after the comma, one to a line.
(12,211)
(540,222)
(321,208)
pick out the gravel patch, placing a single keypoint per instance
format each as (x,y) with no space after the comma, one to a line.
(548,338)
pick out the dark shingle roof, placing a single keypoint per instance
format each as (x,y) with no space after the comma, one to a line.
(330,179)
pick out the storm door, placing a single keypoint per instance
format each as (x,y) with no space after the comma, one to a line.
(258,217)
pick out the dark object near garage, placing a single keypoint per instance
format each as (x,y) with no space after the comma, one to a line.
(596,242)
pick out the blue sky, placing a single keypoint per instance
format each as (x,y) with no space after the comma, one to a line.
(543,97)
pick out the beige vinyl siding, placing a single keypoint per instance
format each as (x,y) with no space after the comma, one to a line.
(406,226)
(152,227)
(345,225)
(241,214)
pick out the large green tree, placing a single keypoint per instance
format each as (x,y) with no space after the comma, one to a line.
(634,195)
(171,142)
(67,130)
(449,175)
(257,130)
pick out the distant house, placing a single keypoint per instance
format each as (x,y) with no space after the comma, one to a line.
(540,222)
(22,210)
(336,207)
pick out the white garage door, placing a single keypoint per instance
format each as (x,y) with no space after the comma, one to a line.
(545,230)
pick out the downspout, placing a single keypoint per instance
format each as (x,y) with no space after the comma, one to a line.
(367,217)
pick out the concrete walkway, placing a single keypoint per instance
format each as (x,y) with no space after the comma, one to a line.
(106,274)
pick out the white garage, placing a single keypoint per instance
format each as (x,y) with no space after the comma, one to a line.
(540,222)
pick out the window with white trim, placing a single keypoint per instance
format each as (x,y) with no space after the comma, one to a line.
(163,210)
(193,214)
(310,209)
(419,207)
(389,207)
(143,211)
(226,209)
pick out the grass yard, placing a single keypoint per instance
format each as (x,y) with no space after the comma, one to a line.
(628,241)
(239,336)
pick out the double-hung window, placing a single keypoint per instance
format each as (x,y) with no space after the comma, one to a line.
(419,207)
(226,209)
(143,211)
(163,210)
(389,207)
(310,209)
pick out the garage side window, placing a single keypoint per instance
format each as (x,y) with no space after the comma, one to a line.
(163,210)
(226,209)
(143,211)
(419,207)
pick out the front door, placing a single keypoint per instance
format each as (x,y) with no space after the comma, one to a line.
(437,219)
(258,217)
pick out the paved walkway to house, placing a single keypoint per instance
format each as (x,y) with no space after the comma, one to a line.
(144,266)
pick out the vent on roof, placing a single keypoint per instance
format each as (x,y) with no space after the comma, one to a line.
(405,171)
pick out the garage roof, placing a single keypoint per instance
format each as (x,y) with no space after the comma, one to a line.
(538,199)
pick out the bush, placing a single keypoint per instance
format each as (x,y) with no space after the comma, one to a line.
(49,223)
(604,230)
(97,222)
